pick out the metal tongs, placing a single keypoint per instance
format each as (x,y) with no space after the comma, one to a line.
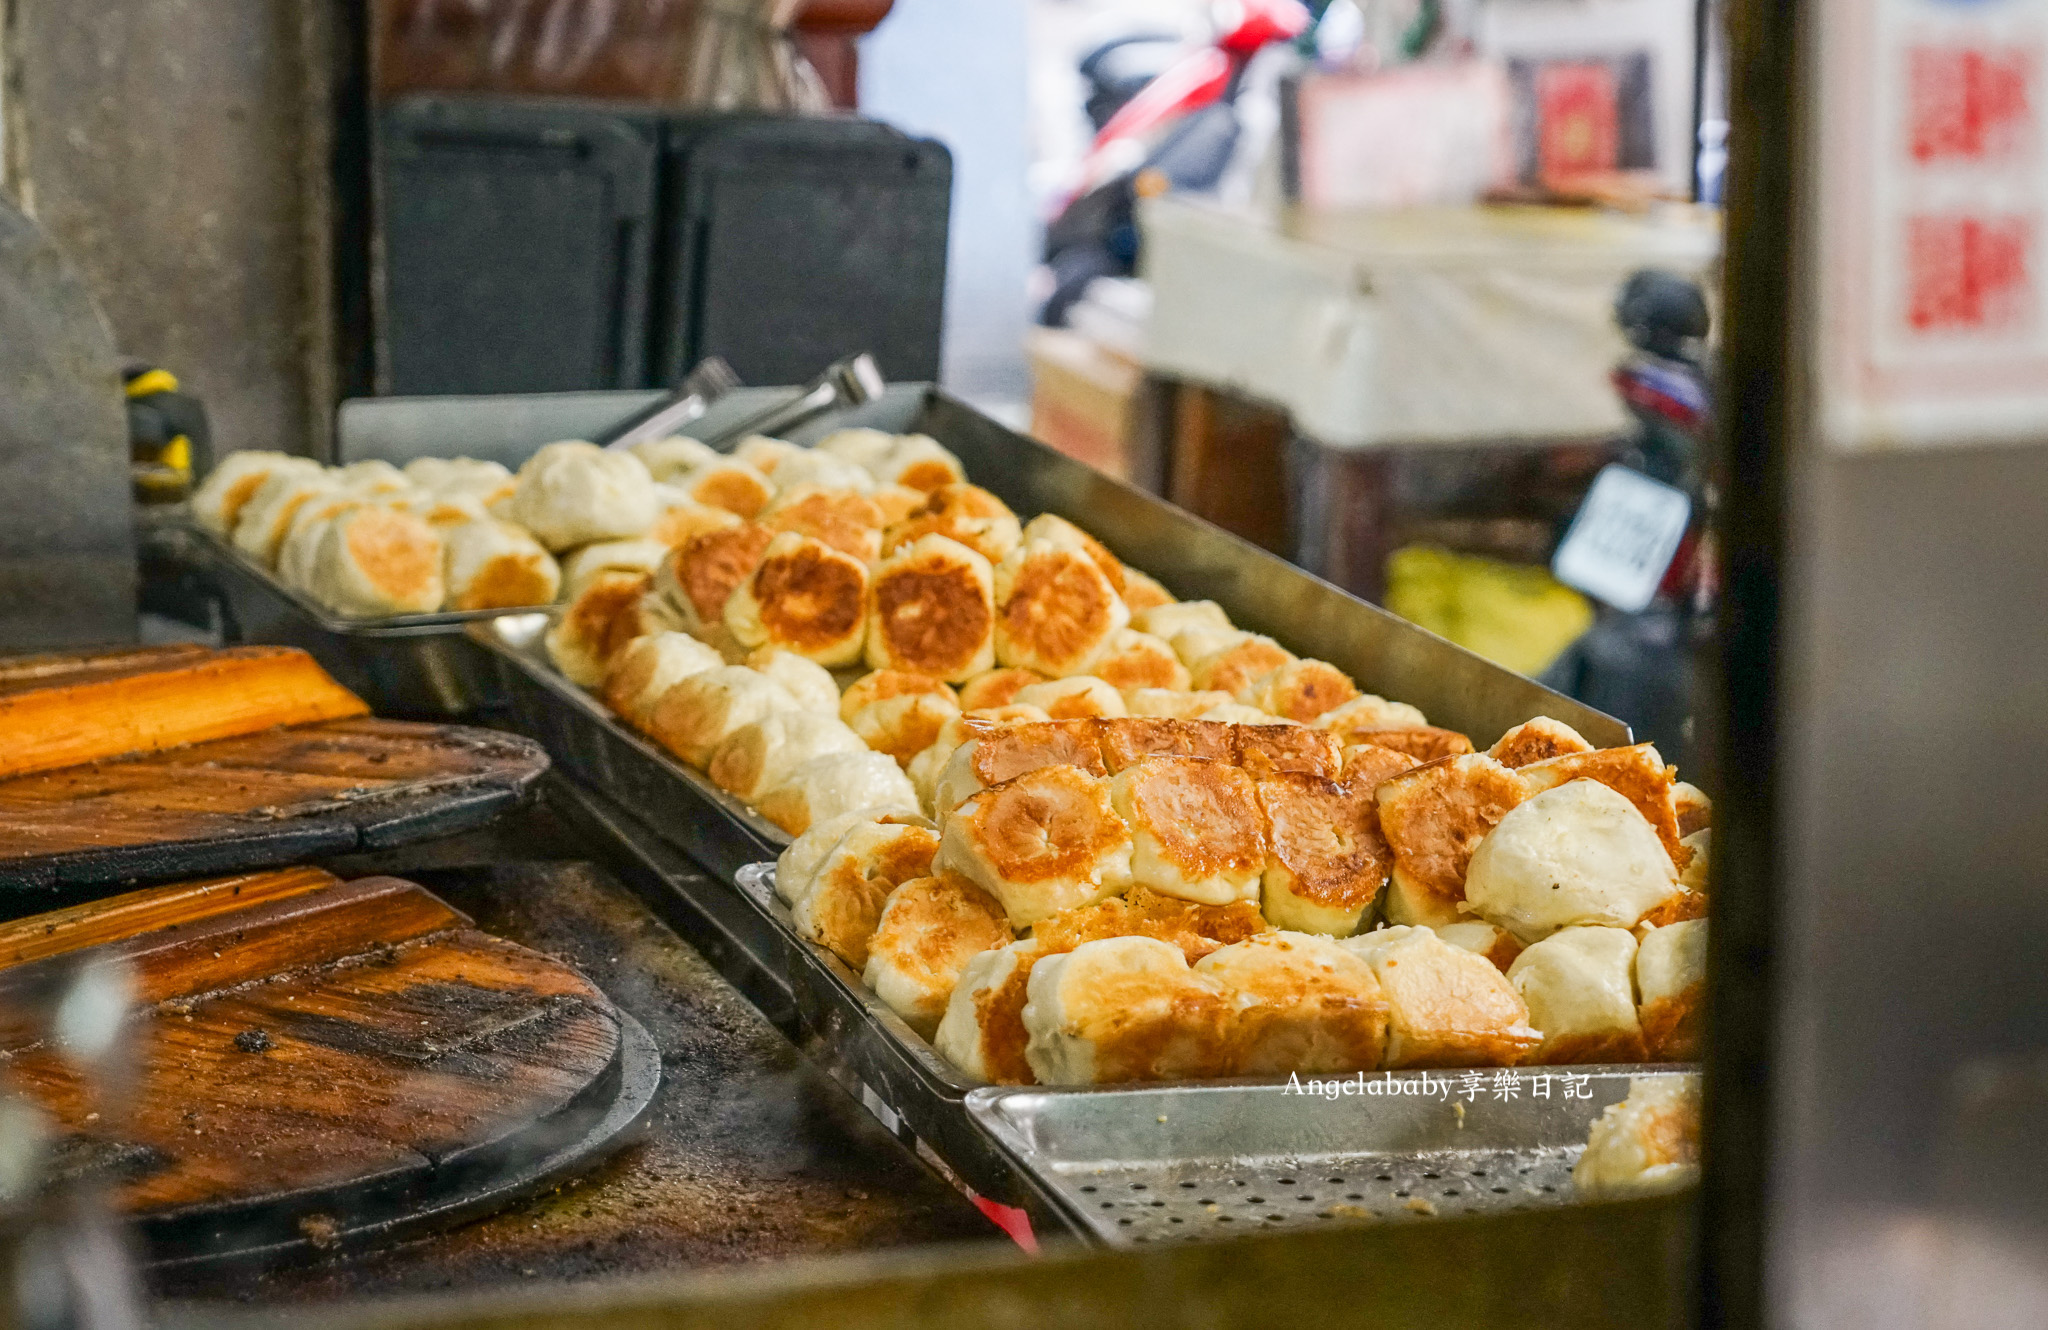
(691,398)
(849,382)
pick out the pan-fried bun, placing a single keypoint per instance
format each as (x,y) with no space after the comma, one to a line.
(982,1032)
(1355,720)
(265,519)
(930,928)
(1142,912)
(490,565)
(1138,660)
(376,561)
(700,575)
(1671,976)
(1142,592)
(759,756)
(804,596)
(1003,754)
(1446,1007)
(1326,860)
(632,555)
(1434,817)
(810,683)
(897,503)
(968,514)
(1646,1144)
(1636,773)
(1074,697)
(1235,666)
(1483,939)
(1172,703)
(928,766)
(1125,1009)
(1266,750)
(933,611)
(859,445)
(1537,739)
(676,455)
(218,501)
(573,493)
(1044,842)
(844,903)
(1196,829)
(837,783)
(580,642)
(903,726)
(1055,610)
(1170,620)
(1237,713)
(1578,854)
(1370,766)
(1300,690)
(880,685)
(1304,1005)
(1049,529)
(678,519)
(823,470)
(1132,739)
(728,484)
(797,866)
(647,667)
(1424,743)
(763,453)
(847,521)
(1580,988)
(996,688)
(697,715)
(454,475)
(919,462)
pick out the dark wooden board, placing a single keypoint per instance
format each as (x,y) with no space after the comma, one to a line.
(405,1061)
(261,799)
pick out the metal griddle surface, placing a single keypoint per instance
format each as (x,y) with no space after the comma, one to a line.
(750,1152)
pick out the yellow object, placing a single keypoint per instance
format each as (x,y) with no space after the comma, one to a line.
(1513,615)
(177,455)
(151,383)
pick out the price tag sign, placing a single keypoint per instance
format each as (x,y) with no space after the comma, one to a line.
(1623,539)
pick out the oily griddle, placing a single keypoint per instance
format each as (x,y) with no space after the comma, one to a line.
(259,799)
(334,1053)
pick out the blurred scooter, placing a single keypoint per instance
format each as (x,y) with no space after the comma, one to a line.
(1172,127)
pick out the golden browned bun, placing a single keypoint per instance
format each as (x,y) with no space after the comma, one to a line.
(1356,719)
(580,642)
(1689,803)
(647,667)
(1055,610)
(1235,666)
(998,754)
(983,1032)
(1483,939)
(439,511)
(1646,1144)
(1125,1009)
(1142,912)
(1073,698)
(806,597)
(1424,743)
(266,518)
(903,726)
(837,783)
(1637,773)
(376,561)
(1132,739)
(1577,854)
(309,526)
(679,519)
(1326,860)
(1141,592)
(1047,841)
(930,928)
(1196,828)
(968,514)
(1446,1007)
(1058,532)
(897,503)
(810,683)
(1237,713)
(492,565)
(1580,989)
(676,455)
(633,556)
(847,521)
(1267,750)
(763,453)
(573,493)
(1693,877)
(733,486)
(703,572)
(1304,1005)
(933,611)
(761,755)
(1300,690)
(1537,739)
(881,685)
(217,503)
(844,903)
(697,715)
(928,766)
(1170,620)
(996,688)
(1434,818)
(1671,977)
(1135,660)
(919,462)
(1369,765)
(1173,704)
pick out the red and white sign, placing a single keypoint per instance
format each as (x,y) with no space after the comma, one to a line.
(1931,226)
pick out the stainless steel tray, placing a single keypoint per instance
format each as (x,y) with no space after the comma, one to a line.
(1147,1164)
